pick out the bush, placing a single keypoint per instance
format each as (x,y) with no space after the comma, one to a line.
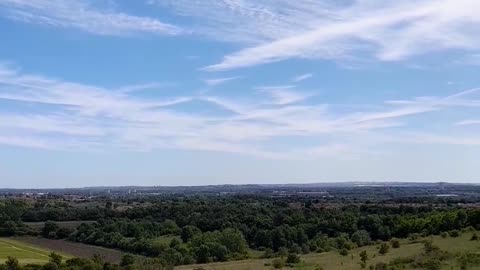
(384,248)
(344,252)
(268,253)
(278,263)
(444,235)
(429,247)
(293,258)
(395,243)
(454,233)
(432,264)
(474,237)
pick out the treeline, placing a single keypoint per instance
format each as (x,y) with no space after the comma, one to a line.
(274,225)
(139,237)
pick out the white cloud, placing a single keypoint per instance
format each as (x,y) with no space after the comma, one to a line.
(82,15)
(74,116)
(468,122)
(219,81)
(283,94)
(302,77)
(337,30)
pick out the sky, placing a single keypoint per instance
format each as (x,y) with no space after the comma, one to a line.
(197,92)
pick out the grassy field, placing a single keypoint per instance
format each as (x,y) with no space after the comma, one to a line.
(24,252)
(333,260)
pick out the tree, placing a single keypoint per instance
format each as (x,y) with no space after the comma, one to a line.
(12,264)
(474,237)
(188,232)
(361,238)
(49,229)
(174,243)
(55,258)
(282,252)
(50,266)
(384,248)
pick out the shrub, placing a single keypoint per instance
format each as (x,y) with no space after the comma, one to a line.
(454,233)
(432,264)
(444,235)
(293,258)
(344,252)
(395,243)
(278,263)
(474,237)
(384,248)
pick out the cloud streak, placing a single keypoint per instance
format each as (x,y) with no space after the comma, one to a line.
(341,31)
(219,81)
(82,117)
(83,15)
(302,77)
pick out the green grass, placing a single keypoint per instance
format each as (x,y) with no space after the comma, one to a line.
(333,260)
(23,252)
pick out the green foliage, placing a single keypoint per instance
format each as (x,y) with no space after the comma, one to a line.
(364,256)
(293,258)
(188,232)
(343,252)
(278,263)
(432,264)
(55,258)
(384,248)
(454,233)
(395,243)
(12,264)
(429,247)
(127,260)
(50,229)
(361,238)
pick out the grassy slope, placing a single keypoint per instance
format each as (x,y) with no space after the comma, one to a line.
(25,253)
(332,260)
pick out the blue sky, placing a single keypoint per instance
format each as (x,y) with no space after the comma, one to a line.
(190,92)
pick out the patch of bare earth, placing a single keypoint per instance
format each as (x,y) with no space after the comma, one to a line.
(74,249)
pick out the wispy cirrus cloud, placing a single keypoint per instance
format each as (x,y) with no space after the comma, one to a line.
(283,94)
(83,15)
(219,81)
(341,31)
(83,117)
(302,77)
(468,122)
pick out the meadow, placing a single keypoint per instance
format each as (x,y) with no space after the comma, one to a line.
(333,260)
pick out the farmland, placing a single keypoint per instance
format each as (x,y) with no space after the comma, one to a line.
(74,249)
(24,252)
